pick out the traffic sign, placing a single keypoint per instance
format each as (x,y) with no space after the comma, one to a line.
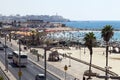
(65,68)
(19,73)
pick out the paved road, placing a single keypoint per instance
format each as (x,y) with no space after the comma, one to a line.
(29,72)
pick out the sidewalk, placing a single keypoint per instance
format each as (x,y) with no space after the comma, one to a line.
(9,74)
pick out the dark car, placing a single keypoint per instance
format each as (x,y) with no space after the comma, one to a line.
(40,77)
(10,55)
(5,46)
(1,47)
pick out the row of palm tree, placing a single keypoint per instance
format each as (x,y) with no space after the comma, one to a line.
(90,39)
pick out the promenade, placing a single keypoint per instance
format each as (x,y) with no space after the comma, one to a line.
(77,69)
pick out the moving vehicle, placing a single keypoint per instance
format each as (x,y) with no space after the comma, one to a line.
(40,77)
(23,58)
(10,55)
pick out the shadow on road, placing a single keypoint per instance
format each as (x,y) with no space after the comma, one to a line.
(16,66)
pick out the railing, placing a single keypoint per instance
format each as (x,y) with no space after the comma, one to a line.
(2,73)
(95,66)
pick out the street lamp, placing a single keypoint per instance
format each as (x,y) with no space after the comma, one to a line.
(69,59)
(45,62)
(80,52)
(6,60)
(45,46)
(84,50)
(19,73)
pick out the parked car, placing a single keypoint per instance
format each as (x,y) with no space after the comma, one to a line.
(40,77)
(10,55)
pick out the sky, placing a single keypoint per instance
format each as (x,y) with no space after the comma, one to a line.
(70,9)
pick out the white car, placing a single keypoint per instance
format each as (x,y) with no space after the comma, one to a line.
(40,77)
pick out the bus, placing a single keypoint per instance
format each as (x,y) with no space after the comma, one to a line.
(23,58)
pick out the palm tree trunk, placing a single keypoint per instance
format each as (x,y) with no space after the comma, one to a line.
(90,64)
(106,73)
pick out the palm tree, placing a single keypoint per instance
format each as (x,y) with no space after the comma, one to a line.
(37,36)
(10,36)
(90,40)
(106,34)
(33,37)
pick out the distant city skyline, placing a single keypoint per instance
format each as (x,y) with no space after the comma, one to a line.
(70,9)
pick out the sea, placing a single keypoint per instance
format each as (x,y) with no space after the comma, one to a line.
(90,26)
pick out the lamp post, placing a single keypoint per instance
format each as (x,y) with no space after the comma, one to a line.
(69,59)
(45,49)
(19,73)
(80,52)
(45,56)
(84,50)
(6,60)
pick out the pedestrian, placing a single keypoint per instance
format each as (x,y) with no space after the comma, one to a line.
(103,53)
(11,44)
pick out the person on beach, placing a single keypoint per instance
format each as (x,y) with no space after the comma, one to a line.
(103,53)
(11,44)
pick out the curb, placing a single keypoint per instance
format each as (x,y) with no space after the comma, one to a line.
(94,66)
(8,74)
(43,69)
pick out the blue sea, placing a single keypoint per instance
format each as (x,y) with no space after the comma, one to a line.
(77,35)
(92,24)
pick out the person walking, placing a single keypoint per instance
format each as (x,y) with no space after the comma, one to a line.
(11,44)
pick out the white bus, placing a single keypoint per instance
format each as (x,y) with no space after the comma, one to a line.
(23,58)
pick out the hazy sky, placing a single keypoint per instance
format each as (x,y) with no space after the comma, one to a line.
(71,9)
